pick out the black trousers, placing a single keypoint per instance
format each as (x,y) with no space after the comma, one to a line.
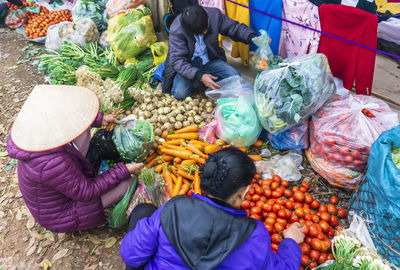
(141,211)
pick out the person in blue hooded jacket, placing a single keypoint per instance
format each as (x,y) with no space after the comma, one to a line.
(208,232)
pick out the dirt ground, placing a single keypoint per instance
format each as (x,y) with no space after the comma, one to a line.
(25,244)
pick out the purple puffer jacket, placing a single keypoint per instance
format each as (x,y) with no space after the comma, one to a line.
(148,243)
(60,188)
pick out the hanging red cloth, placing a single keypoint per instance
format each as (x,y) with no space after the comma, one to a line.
(347,61)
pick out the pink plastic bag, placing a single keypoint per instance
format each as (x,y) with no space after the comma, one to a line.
(220,4)
(341,134)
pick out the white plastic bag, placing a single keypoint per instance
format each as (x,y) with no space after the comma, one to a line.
(288,166)
(359,228)
(81,32)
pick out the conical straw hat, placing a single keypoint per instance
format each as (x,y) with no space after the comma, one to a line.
(54,115)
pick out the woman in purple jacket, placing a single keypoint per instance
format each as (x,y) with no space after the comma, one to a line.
(50,138)
(208,232)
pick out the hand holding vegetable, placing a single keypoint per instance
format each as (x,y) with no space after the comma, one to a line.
(108,121)
(135,169)
(208,81)
(294,232)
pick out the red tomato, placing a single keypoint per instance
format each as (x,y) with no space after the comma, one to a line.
(334,200)
(274,246)
(334,221)
(293,218)
(255,198)
(341,213)
(251,191)
(255,216)
(331,209)
(257,176)
(305,184)
(263,199)
(295,189)
(324,226)
(274,185)
(357,163)
(326,245)
(314,218)
(276,178)
(305,228)
(305,249)
(256,210)
(330,141)
(299,212)
(282,213)
(287,193)
(322,208)
(305,260)
(282,221)
(289,205)
(325,216)
(316,244)
(267,193)
(279,227)
(260,204)
(245,205)
(303,189)
(308,198)
(267,207)
(314,204)
(273,215)
(276,207)
(276,238)
(330,257)
(281,201)
(269,227)
(314,254)
(269,221)
(322,258)
(258,190)
(307,240)
(299,196)
(355,154)
(314,230)
(348,159)
(271,201)
(276,194)
(285,183)
(313,264)
(331,232)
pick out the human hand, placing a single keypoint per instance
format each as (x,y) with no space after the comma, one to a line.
(108,121)
(208,81)
(135,168)
(294,232)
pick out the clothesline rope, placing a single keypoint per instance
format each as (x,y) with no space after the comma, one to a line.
(315,30)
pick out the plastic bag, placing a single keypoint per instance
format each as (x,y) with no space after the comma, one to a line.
(80,33)
(341,134)
(116,7)
(22,32)
(142,195)
(159,192)
(159,51)
(263,53)
(103,42)
(288,166)
(117,217)
(291,91)
(132,33)
(235,118)
(102,147)
(16,19)
(207,132)
(293,138)
(91,9)
(133,138)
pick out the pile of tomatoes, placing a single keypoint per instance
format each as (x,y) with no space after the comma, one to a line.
(272,202)
(39,23)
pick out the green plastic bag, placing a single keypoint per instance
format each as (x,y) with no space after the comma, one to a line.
(117,216)
(133,139)
(131,33)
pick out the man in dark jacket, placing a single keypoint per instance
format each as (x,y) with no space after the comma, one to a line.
(194,52)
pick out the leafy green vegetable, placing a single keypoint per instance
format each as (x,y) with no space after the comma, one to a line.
(133,143)
(396,156)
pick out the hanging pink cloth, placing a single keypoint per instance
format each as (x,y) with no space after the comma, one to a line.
(220,4)
(296,40)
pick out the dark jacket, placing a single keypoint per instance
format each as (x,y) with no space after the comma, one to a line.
(182,44)
(197,233)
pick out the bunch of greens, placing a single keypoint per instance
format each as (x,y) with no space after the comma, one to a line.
(133,141)
(350,254)
(396,157)
(291,90)
(61,66)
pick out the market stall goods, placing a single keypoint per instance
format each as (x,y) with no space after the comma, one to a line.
(277,206)
(341,135)
(292,90)
(37,25)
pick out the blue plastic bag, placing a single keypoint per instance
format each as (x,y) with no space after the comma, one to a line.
(294,138)
(378,197)
(159,71)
